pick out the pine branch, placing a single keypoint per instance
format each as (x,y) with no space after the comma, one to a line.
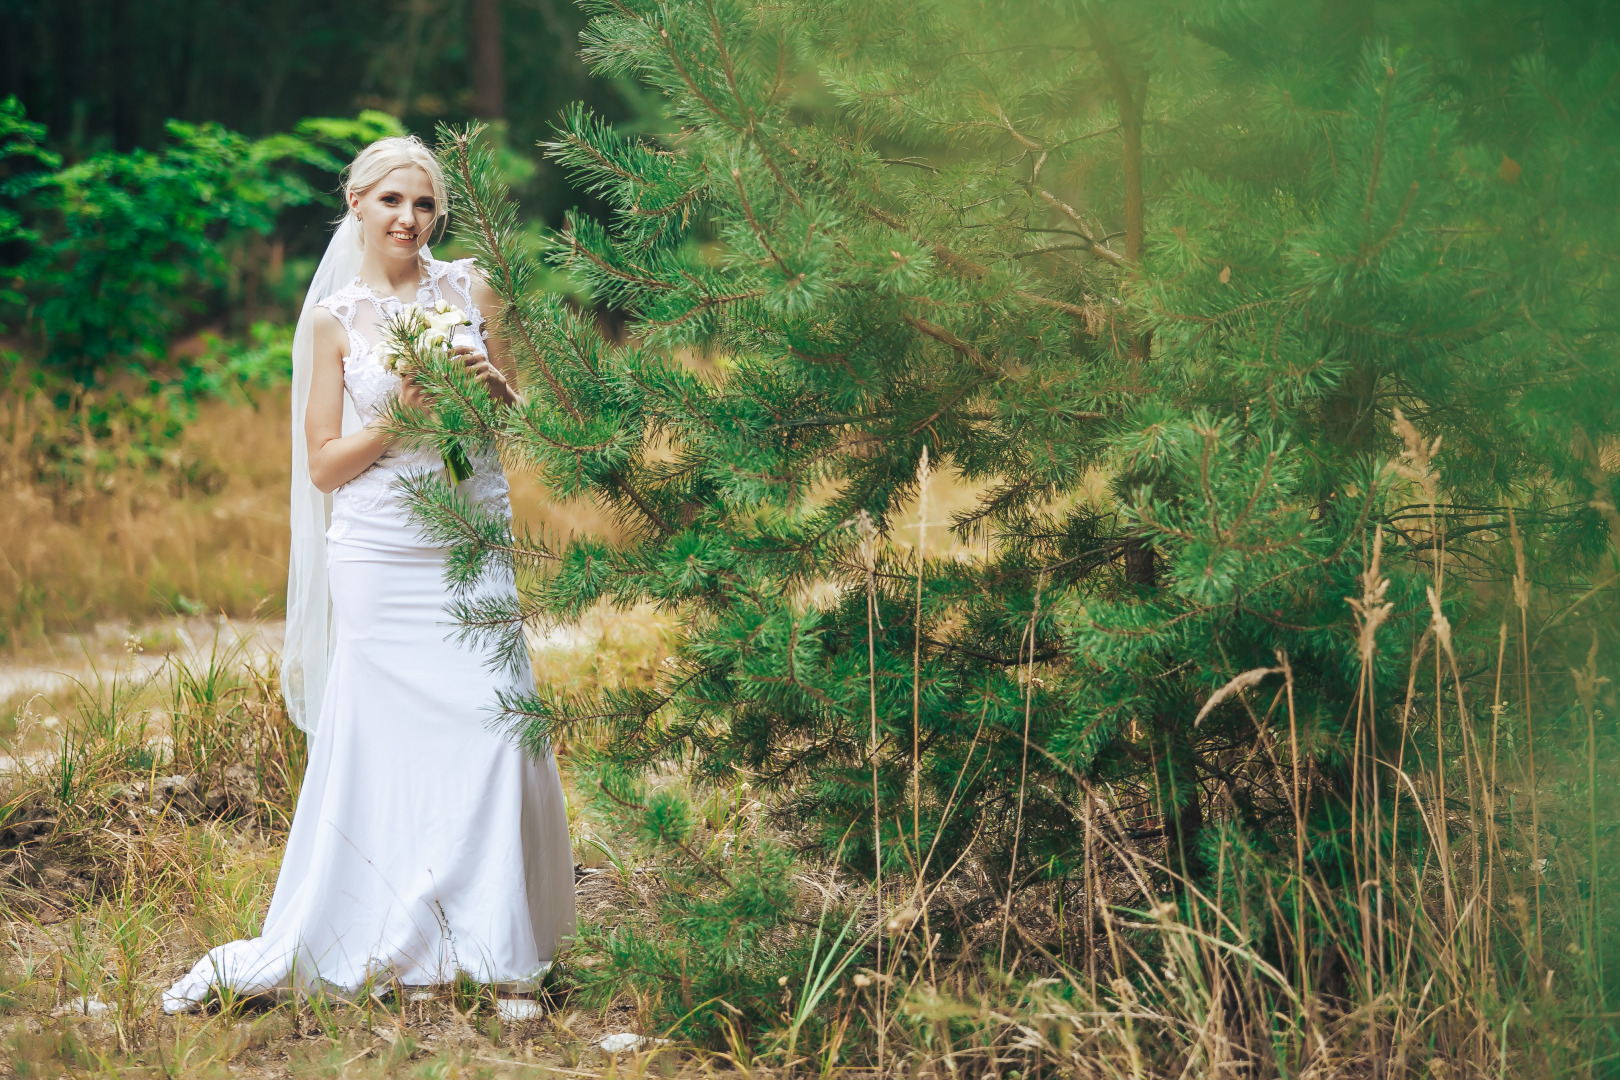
(1088,242)
(610,270)
(460,144)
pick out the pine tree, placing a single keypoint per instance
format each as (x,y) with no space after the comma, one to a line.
(1184,293)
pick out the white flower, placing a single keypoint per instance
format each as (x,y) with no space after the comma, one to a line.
(422,328)
(388,355)
(441,323)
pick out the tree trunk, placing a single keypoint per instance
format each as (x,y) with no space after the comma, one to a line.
(1349,413)
(1187,826)
(180,70)
(1180,803)
(1139,563)
(1131,102)
(11,62)
(489,74)
(125,122)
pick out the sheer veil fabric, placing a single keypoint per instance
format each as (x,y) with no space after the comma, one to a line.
(306,652)
(306,648)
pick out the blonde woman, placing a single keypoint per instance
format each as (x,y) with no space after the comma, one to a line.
(425,842)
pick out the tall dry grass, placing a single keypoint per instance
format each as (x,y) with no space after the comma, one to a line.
(1475,939)
(96,530)
(115,536)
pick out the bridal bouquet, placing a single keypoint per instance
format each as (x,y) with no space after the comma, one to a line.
(419,333)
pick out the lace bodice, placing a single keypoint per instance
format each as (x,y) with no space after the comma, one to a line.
(370,386)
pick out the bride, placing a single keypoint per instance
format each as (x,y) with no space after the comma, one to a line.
(424,843)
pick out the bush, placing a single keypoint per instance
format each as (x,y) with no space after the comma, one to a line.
(111,256)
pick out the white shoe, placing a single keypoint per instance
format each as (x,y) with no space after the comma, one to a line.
(174,1004)
(510,1009)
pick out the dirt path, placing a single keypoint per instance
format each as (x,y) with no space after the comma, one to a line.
(46,679)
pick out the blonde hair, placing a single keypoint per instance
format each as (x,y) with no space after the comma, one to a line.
(383,157)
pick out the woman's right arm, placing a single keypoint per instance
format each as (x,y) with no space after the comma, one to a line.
(335,458)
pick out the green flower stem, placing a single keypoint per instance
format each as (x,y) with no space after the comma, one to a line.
(455,460)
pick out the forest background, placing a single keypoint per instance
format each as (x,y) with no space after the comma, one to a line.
(156,269)
(1002,707)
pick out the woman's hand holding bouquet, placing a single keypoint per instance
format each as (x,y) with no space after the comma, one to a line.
(419,335)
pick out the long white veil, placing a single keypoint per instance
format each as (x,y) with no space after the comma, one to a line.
(306,651)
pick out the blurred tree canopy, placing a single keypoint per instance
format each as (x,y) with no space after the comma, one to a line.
(111,74)
(160,172)
(106,259)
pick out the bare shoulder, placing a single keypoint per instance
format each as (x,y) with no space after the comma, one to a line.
(478,285)
(329,333)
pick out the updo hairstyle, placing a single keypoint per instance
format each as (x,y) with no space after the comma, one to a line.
(383,157)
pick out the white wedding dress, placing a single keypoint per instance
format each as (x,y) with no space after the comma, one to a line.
(425,842)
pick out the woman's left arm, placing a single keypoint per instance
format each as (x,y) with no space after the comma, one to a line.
(494,368)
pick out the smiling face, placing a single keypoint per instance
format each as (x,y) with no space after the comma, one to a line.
(397,212)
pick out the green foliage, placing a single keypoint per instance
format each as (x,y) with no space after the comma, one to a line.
(122,249)
(724,900)
(1182,295)
(20,147)
(242,366)
(350,136)
(106,260)
(136,421)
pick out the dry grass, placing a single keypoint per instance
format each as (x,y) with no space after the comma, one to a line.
(114,883)
(113,876)
(205,531)
(113,880)
(1475,946)
(144,817)
(1118,976)
(122,540)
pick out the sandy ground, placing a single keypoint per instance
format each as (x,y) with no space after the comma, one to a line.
(46,678)
(53,671)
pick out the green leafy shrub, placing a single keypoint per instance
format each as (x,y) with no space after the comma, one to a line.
(106,260)
(119,251)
